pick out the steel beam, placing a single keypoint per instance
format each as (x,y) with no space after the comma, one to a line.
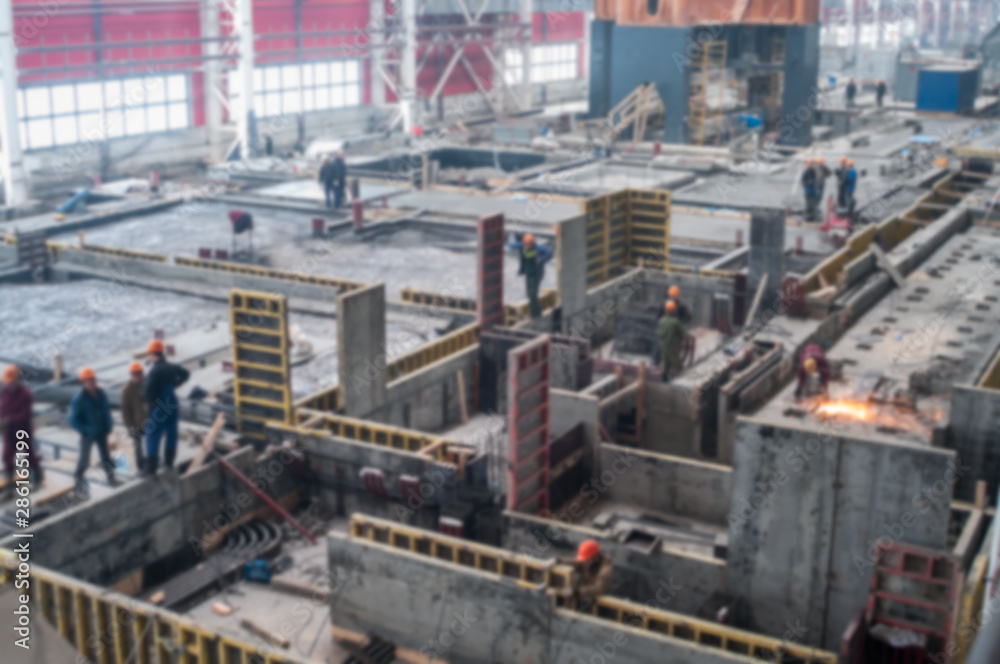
(15,177)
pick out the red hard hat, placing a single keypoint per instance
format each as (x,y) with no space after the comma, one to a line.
(588,549)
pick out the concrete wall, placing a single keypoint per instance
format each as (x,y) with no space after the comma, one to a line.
(807,505)
(675,486)
(104,541)
(361,349)
(974,434)
(673,422)
(637,575)
(460,614)
(571,270)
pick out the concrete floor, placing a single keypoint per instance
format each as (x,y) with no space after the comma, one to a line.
(310,191)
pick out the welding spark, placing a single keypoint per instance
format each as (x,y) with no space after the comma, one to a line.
(852,409)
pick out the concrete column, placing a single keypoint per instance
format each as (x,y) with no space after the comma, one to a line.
(571,266)
(408,66)
(767,253)
(246,124)
(526,15)
(376,39)
(361,349)
(16,189)
(214,106)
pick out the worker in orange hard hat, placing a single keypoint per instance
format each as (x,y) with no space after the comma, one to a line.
(15,420)
(813,374)
(670,333)
(683,313)
(90,415)
(160,393)
(595,574)
(533,260)
(135,411)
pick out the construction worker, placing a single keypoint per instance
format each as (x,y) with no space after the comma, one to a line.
(339,179)
(850,186)
(671,334)
(327,181)
(851,93)
(841,174)
(813,374)
(595,574)
(533,260)
(160,393)
(135,412)
(808,181)
(15,416)
(90,415)
(683,313)
(822,174)
(880,91)
(241,221)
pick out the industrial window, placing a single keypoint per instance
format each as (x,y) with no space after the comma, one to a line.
(313,86)
(53,115)
(549,62)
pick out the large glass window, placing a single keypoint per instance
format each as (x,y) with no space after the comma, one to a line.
(549,62)
(311,86)
(71,113)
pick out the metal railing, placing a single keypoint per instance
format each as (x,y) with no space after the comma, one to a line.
(705,633)
(57,247)
(328,399)
(433,351)
(342,285)
(110,628)
(384,435)
(548,298)
(528,572)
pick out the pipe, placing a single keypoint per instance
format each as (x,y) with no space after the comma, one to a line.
(266,498)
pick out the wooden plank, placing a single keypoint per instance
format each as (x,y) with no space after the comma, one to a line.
(273,638)
(206,444)
(887,265)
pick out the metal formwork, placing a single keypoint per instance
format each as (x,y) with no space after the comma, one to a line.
(433,351)
(135,254)
(607,235)
(489,287)
(342,285)
(328,399)
(649,228)
(111,628)
(512,312)
(262,390)
(528,414)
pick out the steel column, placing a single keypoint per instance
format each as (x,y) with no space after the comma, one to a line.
(214,77)
(244,114)
(408,66)
(16,189)
(526,13)
(376,38)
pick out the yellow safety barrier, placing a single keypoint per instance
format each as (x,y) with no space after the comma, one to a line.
(548,299)
(109,628)
(262,385)
(527,571)
(341,285)
(705,633)
(431,352)
(328,400)
(385,435)
(56,247)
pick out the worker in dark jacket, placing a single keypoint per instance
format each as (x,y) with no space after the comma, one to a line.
(880,91)
(15,416)
(813,374)
(850,185)
(135,412)
(533,260)
(90,415)
(160,393)
(683,312)
(671,334)
(326,180)
(241,221)
(339,179)
(851,93)
(841,174)
(822,175)
(808,181)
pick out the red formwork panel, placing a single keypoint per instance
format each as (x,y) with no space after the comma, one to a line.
(374,481)
(528,416)
(489,289)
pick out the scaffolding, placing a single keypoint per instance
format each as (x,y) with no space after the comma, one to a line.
(708,84)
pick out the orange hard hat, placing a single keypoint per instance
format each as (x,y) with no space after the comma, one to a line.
(671,307)
(528,237)
(843,160)
(819,160)
(809,162)
(850,162)
(155,346)
(87,373)
(674,292)
(588,549)
(810,365)
(135,367)
(10,373)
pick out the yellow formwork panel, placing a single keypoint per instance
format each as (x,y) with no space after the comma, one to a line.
(262,389)
(342,285)
(433,351)
(991,377)
(111,628)
(623,228)
(512,312)
(328,400)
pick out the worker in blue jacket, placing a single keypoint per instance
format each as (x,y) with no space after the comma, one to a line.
(533,260)
(851,184)
(90,415)
(162,381)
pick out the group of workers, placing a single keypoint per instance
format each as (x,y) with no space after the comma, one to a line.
(814,179)
(333,178)
(150,412)
(851,92)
